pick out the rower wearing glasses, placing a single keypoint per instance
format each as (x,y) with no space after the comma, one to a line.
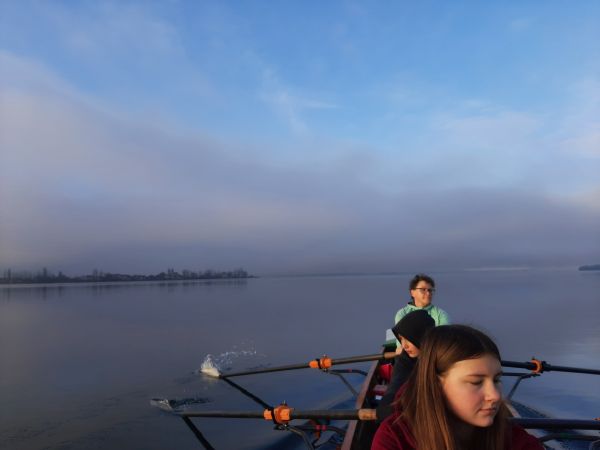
(422,288)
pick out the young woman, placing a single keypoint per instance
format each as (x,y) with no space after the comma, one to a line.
(452,400)
(409,332)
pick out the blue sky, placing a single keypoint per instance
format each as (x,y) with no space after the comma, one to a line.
(291,137)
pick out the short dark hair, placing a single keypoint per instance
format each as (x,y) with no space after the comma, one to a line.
(421,277)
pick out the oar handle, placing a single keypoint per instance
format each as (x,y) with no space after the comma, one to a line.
(326,362)
(367,414)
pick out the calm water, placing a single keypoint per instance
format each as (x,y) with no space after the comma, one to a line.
(78,364)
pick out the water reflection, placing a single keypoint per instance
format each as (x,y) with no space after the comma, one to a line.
(46,291)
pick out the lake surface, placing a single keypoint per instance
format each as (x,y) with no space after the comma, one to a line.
(79,363)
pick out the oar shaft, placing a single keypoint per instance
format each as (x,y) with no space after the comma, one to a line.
(342,414)
(557,424)
(223,414)
(266,370)
(348,360)
(548,367)
(198,434)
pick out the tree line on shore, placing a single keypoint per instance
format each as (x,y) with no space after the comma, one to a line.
(45,276)
(590,267)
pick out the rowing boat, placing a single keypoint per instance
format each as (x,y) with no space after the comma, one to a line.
(359,434)
(361,423)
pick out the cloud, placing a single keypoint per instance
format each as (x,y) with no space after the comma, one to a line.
(579,131)
(75,179)
(106,30)
(288,105)
(508,130)
(84,186)
(586,144)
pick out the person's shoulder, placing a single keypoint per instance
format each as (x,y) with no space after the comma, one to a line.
(392,434)
(522,440)
(406,308)
(441,317)
(385,438)
(403,311)
(436,308)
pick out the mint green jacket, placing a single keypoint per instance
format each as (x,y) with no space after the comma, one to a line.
(437,314)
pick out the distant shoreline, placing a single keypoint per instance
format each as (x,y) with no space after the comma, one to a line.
(114,284)
(590,267)
(46,278)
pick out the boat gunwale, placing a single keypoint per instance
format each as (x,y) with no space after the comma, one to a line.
(360,403)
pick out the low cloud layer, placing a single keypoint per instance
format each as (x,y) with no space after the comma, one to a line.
(84,188)
(85,185)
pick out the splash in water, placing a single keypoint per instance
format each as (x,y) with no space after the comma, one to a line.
(214,365)
(209,367)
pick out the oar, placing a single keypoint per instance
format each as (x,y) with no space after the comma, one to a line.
(319,363)
(280,415)
(538,366)
(556,424)
(284,414)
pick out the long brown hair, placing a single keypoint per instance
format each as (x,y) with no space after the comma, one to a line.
(423,403)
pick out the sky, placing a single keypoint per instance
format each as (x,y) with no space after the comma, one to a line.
(299,137)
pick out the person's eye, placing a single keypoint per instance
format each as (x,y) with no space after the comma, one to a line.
(476,383)
(498,381)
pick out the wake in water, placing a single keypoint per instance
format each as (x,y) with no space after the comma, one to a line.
(171,404)
(214,366)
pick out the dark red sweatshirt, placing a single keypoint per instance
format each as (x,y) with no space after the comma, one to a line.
(396,435)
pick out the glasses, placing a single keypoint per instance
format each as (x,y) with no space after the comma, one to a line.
(423,290)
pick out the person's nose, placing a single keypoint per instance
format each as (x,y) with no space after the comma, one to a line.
(492,392)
